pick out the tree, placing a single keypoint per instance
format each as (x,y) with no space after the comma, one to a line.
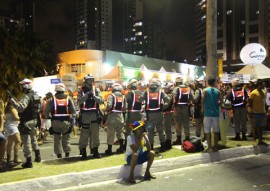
(23,55)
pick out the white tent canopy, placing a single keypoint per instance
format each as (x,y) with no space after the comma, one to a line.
(259,71)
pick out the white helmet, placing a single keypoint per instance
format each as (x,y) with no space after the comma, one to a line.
(236,82)
(169,87)
(179,80)
(199,82)
(117,87)
(26,83)
(60,87)
(132,83)
(88,76)
(154,83)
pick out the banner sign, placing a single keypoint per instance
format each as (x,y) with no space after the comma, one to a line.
(55,81)
(227,78)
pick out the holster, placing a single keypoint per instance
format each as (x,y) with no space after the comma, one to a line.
(24,129)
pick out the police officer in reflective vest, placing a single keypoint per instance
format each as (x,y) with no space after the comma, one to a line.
(28,108)
(154,99)
(89,98)
(238,97)
(116,109)
(60,108)
(182,98)
(168,114)
(134,105)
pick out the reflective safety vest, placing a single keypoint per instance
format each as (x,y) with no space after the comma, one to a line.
(89,104)
(182,96)
(134,105)
(238,97)
(118,103)
(60,108)
(153,102)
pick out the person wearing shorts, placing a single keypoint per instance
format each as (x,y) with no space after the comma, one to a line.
(210,103)
(135,153)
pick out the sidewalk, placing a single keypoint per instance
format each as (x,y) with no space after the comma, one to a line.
(118,172)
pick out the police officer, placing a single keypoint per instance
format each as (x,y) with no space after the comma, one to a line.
(28,108)
(134,105)
(154,99)
(60,108)
(198,115)
(89,98)
(182,96)
(238,97)
(116,109)
(168,114)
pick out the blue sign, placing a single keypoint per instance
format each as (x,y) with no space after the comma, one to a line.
(55,81)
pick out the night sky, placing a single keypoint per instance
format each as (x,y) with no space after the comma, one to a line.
(55,20)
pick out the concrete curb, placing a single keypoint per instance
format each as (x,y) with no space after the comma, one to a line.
(99,175)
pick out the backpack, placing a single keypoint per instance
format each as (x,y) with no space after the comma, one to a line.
(188,147)
(193,145)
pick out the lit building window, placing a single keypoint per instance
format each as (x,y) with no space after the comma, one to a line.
(138,33)
(229,12)
(138,24)
(243,22)
(203,17)
(257,12)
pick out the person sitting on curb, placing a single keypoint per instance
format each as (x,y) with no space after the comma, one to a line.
(134,151)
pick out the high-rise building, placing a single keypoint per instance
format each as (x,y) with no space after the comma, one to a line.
(94,24)
(239,22)
(18,14)
(141,37)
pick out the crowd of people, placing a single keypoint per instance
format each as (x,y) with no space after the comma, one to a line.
(133,117)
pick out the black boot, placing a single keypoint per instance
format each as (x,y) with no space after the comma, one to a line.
(59,156)
(91,151)
(244,137)
(84,154)
(28,163)
(168,144)
(237,137)
(96,154)
(8,159)
(66,155)
(162,147)
(109,150)
(37,156)
(120,150)
(177,141)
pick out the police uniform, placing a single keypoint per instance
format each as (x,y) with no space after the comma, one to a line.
(182,98)
(154,99)
(28,108)
(167,119)
(60,108)
(238,97)
(134,106)
(116,108)
(89,100)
